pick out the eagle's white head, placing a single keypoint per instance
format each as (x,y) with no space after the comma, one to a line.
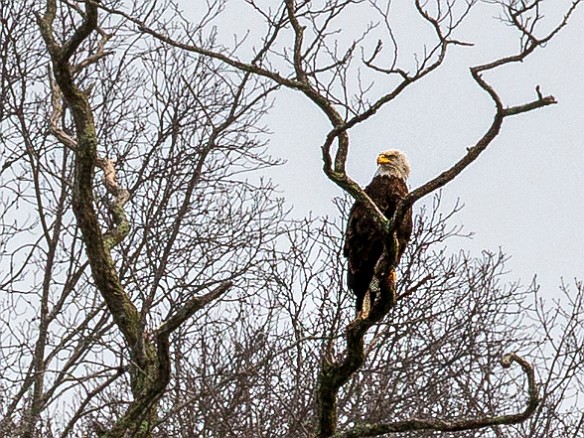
(393,163)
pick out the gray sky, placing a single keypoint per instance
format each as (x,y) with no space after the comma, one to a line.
(524,194)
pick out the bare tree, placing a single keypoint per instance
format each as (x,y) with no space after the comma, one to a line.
(437,355)
(174,226)
(302,36)
(214,314)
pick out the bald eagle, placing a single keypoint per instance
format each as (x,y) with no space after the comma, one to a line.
(363,242)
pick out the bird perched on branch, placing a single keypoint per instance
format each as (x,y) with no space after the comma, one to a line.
(363,238)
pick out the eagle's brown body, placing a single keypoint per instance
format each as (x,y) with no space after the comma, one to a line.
(363,244)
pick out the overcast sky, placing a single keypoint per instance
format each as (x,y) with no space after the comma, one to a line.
(524,194)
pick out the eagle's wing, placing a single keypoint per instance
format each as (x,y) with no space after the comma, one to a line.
(363,245)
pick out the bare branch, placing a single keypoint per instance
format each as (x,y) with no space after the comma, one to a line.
(189,309)
(457,425)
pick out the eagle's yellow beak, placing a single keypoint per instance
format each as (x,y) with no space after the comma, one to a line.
(383,159)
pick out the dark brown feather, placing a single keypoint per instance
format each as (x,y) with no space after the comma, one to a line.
(363,244)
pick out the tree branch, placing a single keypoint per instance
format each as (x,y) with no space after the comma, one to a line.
(461,424)
(246,67)
(104,272)
(83,31)
(190,308)
(334,374)
(160,377)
